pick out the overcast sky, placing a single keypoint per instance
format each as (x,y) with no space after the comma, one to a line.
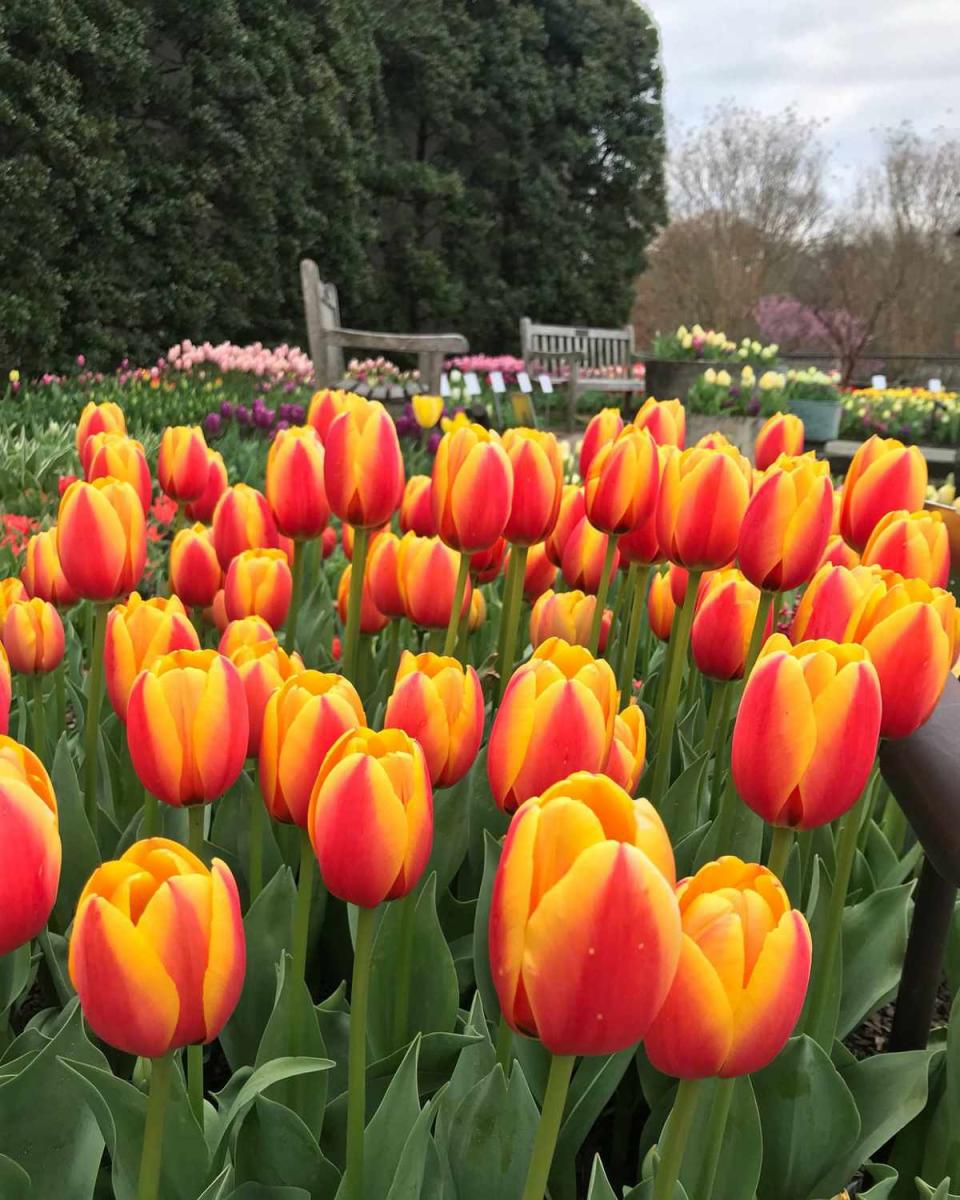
(861,65)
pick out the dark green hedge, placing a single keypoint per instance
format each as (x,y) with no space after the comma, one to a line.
(165,163)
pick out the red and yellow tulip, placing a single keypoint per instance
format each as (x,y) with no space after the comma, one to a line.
(539,573)
(384,579)
(42,574)
(33,636)
(30,849)
(295,487)
(571,512)
(258,583)
(263,667)
(786,524)
(620,489)
(602,428)
(195,574)
(883,476)
(106,417)
(537,485)
(472,492)
(362,466)
(666,420)
(202,509)
(120,457)
(242,521)
(183,465)
(661,606)
(326,405)
(567,615)
(372,620)
(703,496)
(628,749)
(101,538)
(780,434)
(427,575)
(584,555)
(138,633)
(416,507)
(726,612)
(915,545)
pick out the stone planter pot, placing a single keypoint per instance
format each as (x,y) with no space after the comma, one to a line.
(741,431)
(666,378)
(821,422)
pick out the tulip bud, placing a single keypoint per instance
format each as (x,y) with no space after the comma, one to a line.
(363,466)
(620,489)
(584,555)
(101,538)
(372,620)
(138,633)
(326,405)
(258,584)
(427,574)
(884,475)
(486,565)
(571,512)
(703,496)
(780,434)
(183,466)
(242,521)
(33,637)
(98,418)
(537,485)
(557,716)
(478,611)
(472,492)
(371,816)
(158,954)
(42,575)
(195,575)
(202,509)
(661,605)
(832,602)
(602,428)
(382,573)
(564,971)
(120,457)
(295,488)
(786,524)
(666,420)
(440,704)
(567,615)
(539,573)
(301,721)
(427,410)
(416,507)
(723,621)
(915,545)
(819,704)
(628,749)
(30,844)
(742,977)
(187,726)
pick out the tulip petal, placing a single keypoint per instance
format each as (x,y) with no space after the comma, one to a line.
(223,980)
(29,863)
(569,734)
(176,923)
(510,907)
(691,1036)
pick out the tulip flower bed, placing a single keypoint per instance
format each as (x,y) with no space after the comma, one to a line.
(472,834)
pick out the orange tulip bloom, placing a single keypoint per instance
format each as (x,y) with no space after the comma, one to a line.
(884,475)
(371,816)
(101,538)
(157,953)
(666,420)
(831,604)
(33,636)
(539,573)
(661,605)
(564,971)
(703,496)
(909,629)
(602,428)
(12,591)
(195,574)
(838,554)
(742,977)
(202,509)
(557,716)
(248,631)
(42,574)
(183,466)
(263,667)
(416,507)
(723,621)
(384,579)
(537,485)
(30,850)
(781,434)
(187,726)
(620,489)
(572,510)
(915,545)
(302,720)
(242,521)
(787,523)
(584,555)
(259,583)
(427,574)
(641,544)
(440,704)
(363,466)
(472,492)
(372,620)
(98,418)
(486,565)
(567,615)
(326,405)
(120,457)
(818,703)
(628,749)
(138,633)
(295,489)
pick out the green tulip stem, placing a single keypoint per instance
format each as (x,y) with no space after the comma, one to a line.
(544,1144)
(255,847)
(821,1018)
(513,597)
(677,656)
(39,718)
(713,1138)
(401,1011)
(674,1138)
(713,735)
(351,639)
(60,698)
(301,915)
(602,588)
(161,1070)
(756,636)
(150,824)
(393,650)
(357,1053)
(91,731)
(780,847)
(453,625)
(637,594)
(504,1044)
(296,595)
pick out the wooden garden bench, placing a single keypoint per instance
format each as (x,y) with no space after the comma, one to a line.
(327,338)
(583,350)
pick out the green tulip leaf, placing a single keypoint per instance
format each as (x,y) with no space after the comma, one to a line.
(14,1181)
(599,1187)
(741,1153)
(259,1191)
(874,943)
(481,944)
(490,1137)
(233,1104)
(681,805)
(882,1180)
(81,853)
(474,1063)
(451,825)
(273,1146)
(14,976)
(390,1127)
(594,1082)
(941,1192)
